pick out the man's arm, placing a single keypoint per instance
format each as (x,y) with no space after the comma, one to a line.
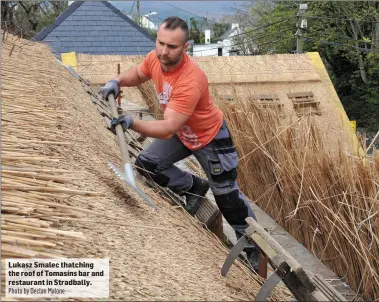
(132,77)
(165,128)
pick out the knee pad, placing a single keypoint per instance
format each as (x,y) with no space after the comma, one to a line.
(232,207)
(148,168)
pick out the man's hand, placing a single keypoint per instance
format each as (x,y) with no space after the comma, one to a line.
(111,87)
(126,121)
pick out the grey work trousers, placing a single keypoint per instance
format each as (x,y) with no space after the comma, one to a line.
(219,161)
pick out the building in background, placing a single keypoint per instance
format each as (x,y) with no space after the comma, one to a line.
(146,21)
(230,43)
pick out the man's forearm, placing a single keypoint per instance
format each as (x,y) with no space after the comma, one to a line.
(155,129)
(129,78)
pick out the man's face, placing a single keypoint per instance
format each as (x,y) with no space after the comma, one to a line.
(170,45)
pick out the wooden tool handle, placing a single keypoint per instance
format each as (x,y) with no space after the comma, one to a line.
(119,131)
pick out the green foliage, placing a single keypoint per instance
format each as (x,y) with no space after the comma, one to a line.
(219,29)
(346,36)
(194,32)
(27,18)
(46,20)
(277,38)
(373,71)
(151,32)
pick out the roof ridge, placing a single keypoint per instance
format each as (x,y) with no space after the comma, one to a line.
(126,18)
(74,6)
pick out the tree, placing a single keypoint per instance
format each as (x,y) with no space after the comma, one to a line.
(351,24)
(344,33)
(8,11)
(254,18)
(50,11)
(27,18)
(194,32)
(219,29)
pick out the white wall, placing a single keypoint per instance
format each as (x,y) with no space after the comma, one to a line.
(206,50)
(145,22)
(207,34)
(227,47)
(230,44)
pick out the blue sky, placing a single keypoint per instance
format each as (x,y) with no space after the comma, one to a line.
(184,9)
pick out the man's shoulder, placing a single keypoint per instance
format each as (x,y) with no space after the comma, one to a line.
(152,63)
(194,71)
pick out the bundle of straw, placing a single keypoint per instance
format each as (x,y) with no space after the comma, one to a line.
(328,201)
(36,186)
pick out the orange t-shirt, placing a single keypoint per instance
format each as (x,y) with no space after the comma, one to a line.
(185,90)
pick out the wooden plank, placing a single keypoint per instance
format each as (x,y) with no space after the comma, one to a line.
(305,102)
(303,94)
(267,97)
(269,245)
(291,272)
(136,109)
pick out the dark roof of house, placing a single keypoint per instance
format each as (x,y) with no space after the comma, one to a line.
(95,27)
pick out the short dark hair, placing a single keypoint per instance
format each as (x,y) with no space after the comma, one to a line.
(175,22)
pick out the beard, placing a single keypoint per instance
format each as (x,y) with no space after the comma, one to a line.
(168,62)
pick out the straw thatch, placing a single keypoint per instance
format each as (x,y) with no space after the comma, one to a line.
(327,201)
(300,168)
(220,70)
(258,69)
(250,77)
(60,199)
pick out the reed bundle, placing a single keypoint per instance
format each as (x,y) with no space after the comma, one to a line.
(36,186)
(327,200)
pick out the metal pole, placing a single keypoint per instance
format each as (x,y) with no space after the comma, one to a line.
(301,27)
(138,13)
(299,42)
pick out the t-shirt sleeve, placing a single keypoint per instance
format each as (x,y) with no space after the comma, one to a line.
(147,63)
(184,99)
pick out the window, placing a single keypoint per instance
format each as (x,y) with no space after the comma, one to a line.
(304,103)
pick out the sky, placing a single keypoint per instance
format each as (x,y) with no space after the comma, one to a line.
(214,10)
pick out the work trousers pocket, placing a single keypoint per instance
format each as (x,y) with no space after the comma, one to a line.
(225,168)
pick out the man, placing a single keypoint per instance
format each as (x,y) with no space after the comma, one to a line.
(192,124)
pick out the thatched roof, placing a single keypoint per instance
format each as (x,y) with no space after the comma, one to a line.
(98,69)
(256,78)
(59,198)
